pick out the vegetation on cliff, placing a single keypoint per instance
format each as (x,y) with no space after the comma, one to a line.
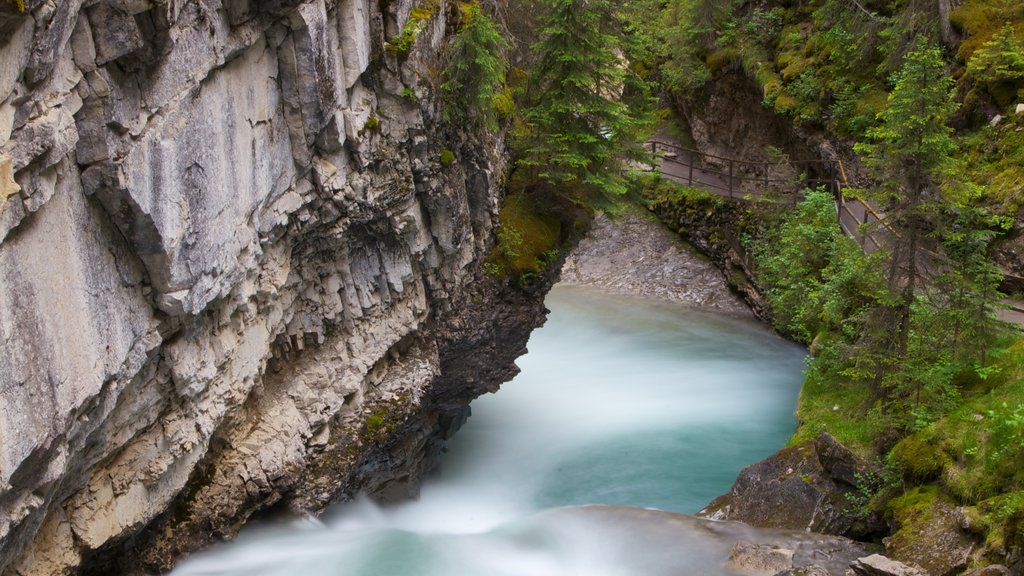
(910,364)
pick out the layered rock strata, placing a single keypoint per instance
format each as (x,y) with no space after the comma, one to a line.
(233,270)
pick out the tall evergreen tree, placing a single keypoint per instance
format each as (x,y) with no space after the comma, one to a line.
(579,127)
(909,150)
(475,70)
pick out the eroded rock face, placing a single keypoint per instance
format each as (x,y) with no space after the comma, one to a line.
(233,271)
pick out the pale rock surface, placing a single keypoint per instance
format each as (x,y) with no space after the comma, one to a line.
(878,565)
(220,287)
(634,254)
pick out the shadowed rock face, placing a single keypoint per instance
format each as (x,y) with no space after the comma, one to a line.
(233,271)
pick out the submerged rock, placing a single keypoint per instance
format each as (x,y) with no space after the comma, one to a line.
(721,547)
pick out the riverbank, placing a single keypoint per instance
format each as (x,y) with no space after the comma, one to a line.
(634,254)
(941,490)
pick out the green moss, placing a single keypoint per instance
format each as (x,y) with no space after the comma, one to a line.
(527,237)
(914,505)
(447,157)
(723,58)
(918,459)
(504,103)
(418,18)
(372,124)
(982,19)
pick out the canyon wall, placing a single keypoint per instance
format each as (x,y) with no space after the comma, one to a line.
(234,271)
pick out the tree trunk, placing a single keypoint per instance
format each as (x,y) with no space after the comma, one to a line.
(950,37)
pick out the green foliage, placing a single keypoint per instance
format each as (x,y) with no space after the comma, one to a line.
(527,239)
(1001,59)
(447,157)
(817,280)
(581,127)
(401,44)
(913,129)
(472,79)
(999,65)
(372,124)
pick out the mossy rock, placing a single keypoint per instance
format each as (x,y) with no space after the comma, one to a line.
(928,532)
(918,459)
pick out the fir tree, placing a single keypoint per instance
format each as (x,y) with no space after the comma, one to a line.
(580,129)
(475,70)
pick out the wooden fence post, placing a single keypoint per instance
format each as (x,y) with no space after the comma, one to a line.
(730,178)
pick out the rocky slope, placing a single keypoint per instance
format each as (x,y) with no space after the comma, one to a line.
(233,271)
(636,255)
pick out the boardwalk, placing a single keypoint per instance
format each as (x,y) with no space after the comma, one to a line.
(744,180)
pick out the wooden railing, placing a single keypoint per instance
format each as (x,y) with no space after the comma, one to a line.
(745,180)
(736,178)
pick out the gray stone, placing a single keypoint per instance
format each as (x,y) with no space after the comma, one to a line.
(115,32)
(635,255)
(878,565)
(802,487)
(759,560)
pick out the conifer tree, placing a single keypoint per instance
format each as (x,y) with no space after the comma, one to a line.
(909,150)
(579,128)
(475,70)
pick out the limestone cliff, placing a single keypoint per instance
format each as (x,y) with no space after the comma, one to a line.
(233,270)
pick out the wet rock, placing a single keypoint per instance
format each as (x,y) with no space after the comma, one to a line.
(812,570)
(878,565)
(803,488)
(759,560)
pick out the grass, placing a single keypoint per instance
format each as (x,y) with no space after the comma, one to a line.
(843,410)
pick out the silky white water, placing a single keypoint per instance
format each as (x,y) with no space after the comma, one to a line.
(621,402)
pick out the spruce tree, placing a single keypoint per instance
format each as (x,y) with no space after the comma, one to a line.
(942,287)
(579,128)
(475,70)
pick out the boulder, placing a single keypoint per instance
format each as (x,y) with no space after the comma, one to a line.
(929,533)
(759,560)
(878,565)
(803,487)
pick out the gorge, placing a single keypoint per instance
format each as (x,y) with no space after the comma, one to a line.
(257,257)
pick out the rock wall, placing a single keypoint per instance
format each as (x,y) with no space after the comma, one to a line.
(233,271)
